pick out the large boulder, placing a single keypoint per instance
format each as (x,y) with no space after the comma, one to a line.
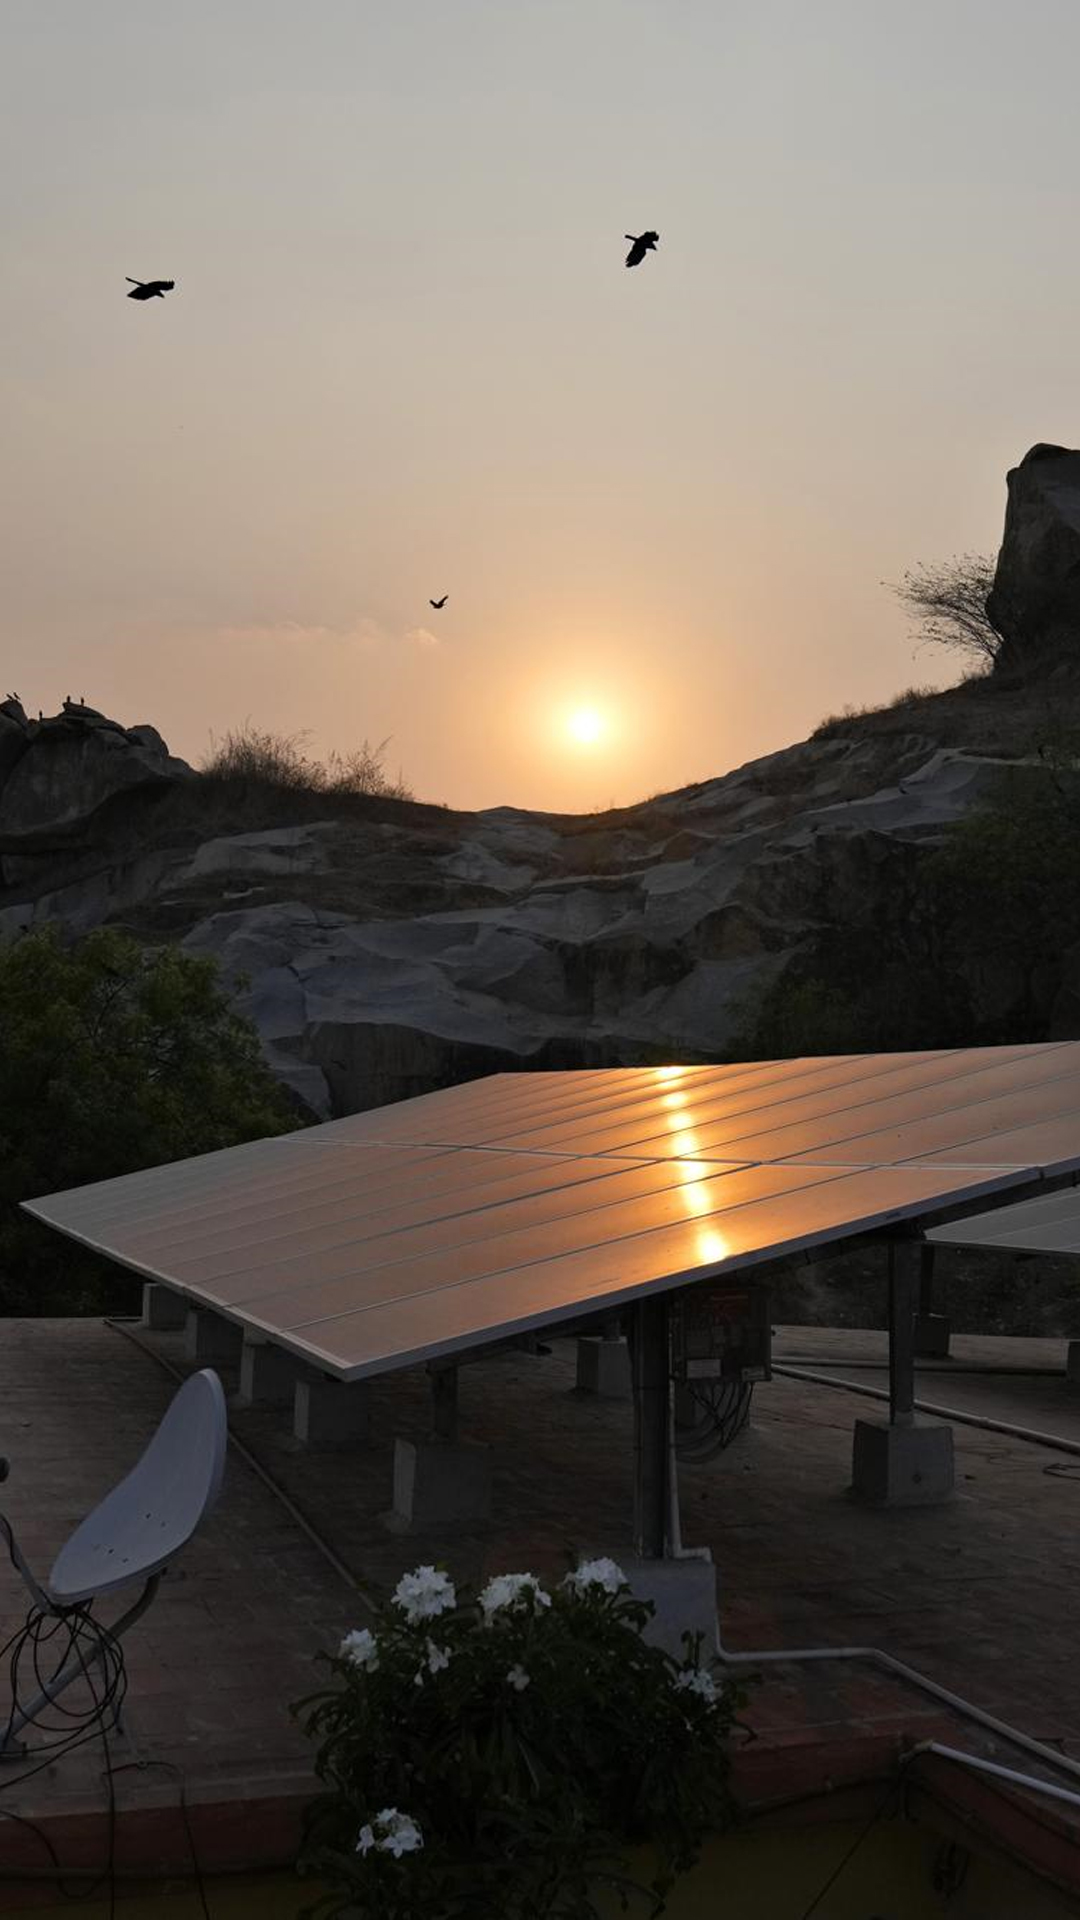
(63,770)
(14,739)
(1034,602)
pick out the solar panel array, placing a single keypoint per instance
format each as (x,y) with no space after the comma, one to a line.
(1049,1224)
(429,1227)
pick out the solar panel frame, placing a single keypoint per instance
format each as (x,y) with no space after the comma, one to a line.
(322,1240)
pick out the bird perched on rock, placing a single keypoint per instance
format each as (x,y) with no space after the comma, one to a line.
(149,289)
(439,603)
(643,243)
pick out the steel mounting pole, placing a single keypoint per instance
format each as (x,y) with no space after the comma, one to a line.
(652,1427)
(905,1269)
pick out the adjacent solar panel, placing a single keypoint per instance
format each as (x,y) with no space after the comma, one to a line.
(1050,1224)
(426,1228)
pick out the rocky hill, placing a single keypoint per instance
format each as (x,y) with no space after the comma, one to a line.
(384,947)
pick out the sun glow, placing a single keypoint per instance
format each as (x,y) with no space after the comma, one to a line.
(586,726)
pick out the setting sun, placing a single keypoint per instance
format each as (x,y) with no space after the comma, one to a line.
(586,726)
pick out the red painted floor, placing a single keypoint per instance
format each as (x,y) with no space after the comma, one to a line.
(978,1594)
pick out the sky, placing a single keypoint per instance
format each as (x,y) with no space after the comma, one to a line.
(404,358)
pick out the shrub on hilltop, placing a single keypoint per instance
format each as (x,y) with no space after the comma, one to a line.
(252,756)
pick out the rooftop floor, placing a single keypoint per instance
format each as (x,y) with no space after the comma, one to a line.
(979,1594)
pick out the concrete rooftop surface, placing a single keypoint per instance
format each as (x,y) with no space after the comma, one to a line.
(978,1594)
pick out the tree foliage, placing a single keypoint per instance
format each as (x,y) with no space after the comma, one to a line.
(948,602)
(113,1058)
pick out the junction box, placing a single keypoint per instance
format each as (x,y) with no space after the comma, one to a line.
(720,1331)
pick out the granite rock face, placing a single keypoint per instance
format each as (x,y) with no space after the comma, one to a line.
(382,956)
(1035,599)
(58,773)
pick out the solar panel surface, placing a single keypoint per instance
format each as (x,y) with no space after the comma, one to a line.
(420,1230)
(1049,1224)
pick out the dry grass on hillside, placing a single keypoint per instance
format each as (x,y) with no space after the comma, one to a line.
(976,716)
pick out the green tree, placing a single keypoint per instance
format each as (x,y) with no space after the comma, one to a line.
(112,1058)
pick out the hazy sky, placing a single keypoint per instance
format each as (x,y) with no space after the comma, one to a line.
(404,358)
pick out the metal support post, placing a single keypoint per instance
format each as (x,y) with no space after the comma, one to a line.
(927,1250)
(652,1428)
(444,1401)
(905,1260)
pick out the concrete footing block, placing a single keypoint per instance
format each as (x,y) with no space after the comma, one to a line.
(439,1483)
(330,1413)
(1072,1363)
(211,1339)
(901,1466)
(932,1333)
(268,1373)
(163,1310)
(683,1593)
(603,1367)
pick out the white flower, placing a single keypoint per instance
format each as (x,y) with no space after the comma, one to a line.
(518,1679)
(360,1648)
(365,1840)
(507,1589)
(400,1834)
(697,1680)
(597,1573)
(437,1658)
(424,1594)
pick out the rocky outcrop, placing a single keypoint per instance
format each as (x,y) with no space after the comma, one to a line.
(57,773)
(387,949)
(1035,599)
(711,894)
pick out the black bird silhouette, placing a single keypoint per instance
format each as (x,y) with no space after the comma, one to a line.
(643,243)
(439,603)
(149,289)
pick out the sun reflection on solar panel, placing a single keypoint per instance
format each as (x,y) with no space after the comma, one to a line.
(711,1246)
(685,1142)
(696,1199)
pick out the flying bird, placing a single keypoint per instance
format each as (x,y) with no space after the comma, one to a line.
(439,603)
(643,243)
(149,289)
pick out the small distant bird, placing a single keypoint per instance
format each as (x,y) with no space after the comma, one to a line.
(643,243)
(439,603)
(149,289)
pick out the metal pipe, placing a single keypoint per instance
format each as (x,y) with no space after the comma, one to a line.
(879,1658)
(1031,1434)
(976,1761)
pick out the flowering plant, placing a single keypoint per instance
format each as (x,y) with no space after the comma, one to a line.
(497,1756)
